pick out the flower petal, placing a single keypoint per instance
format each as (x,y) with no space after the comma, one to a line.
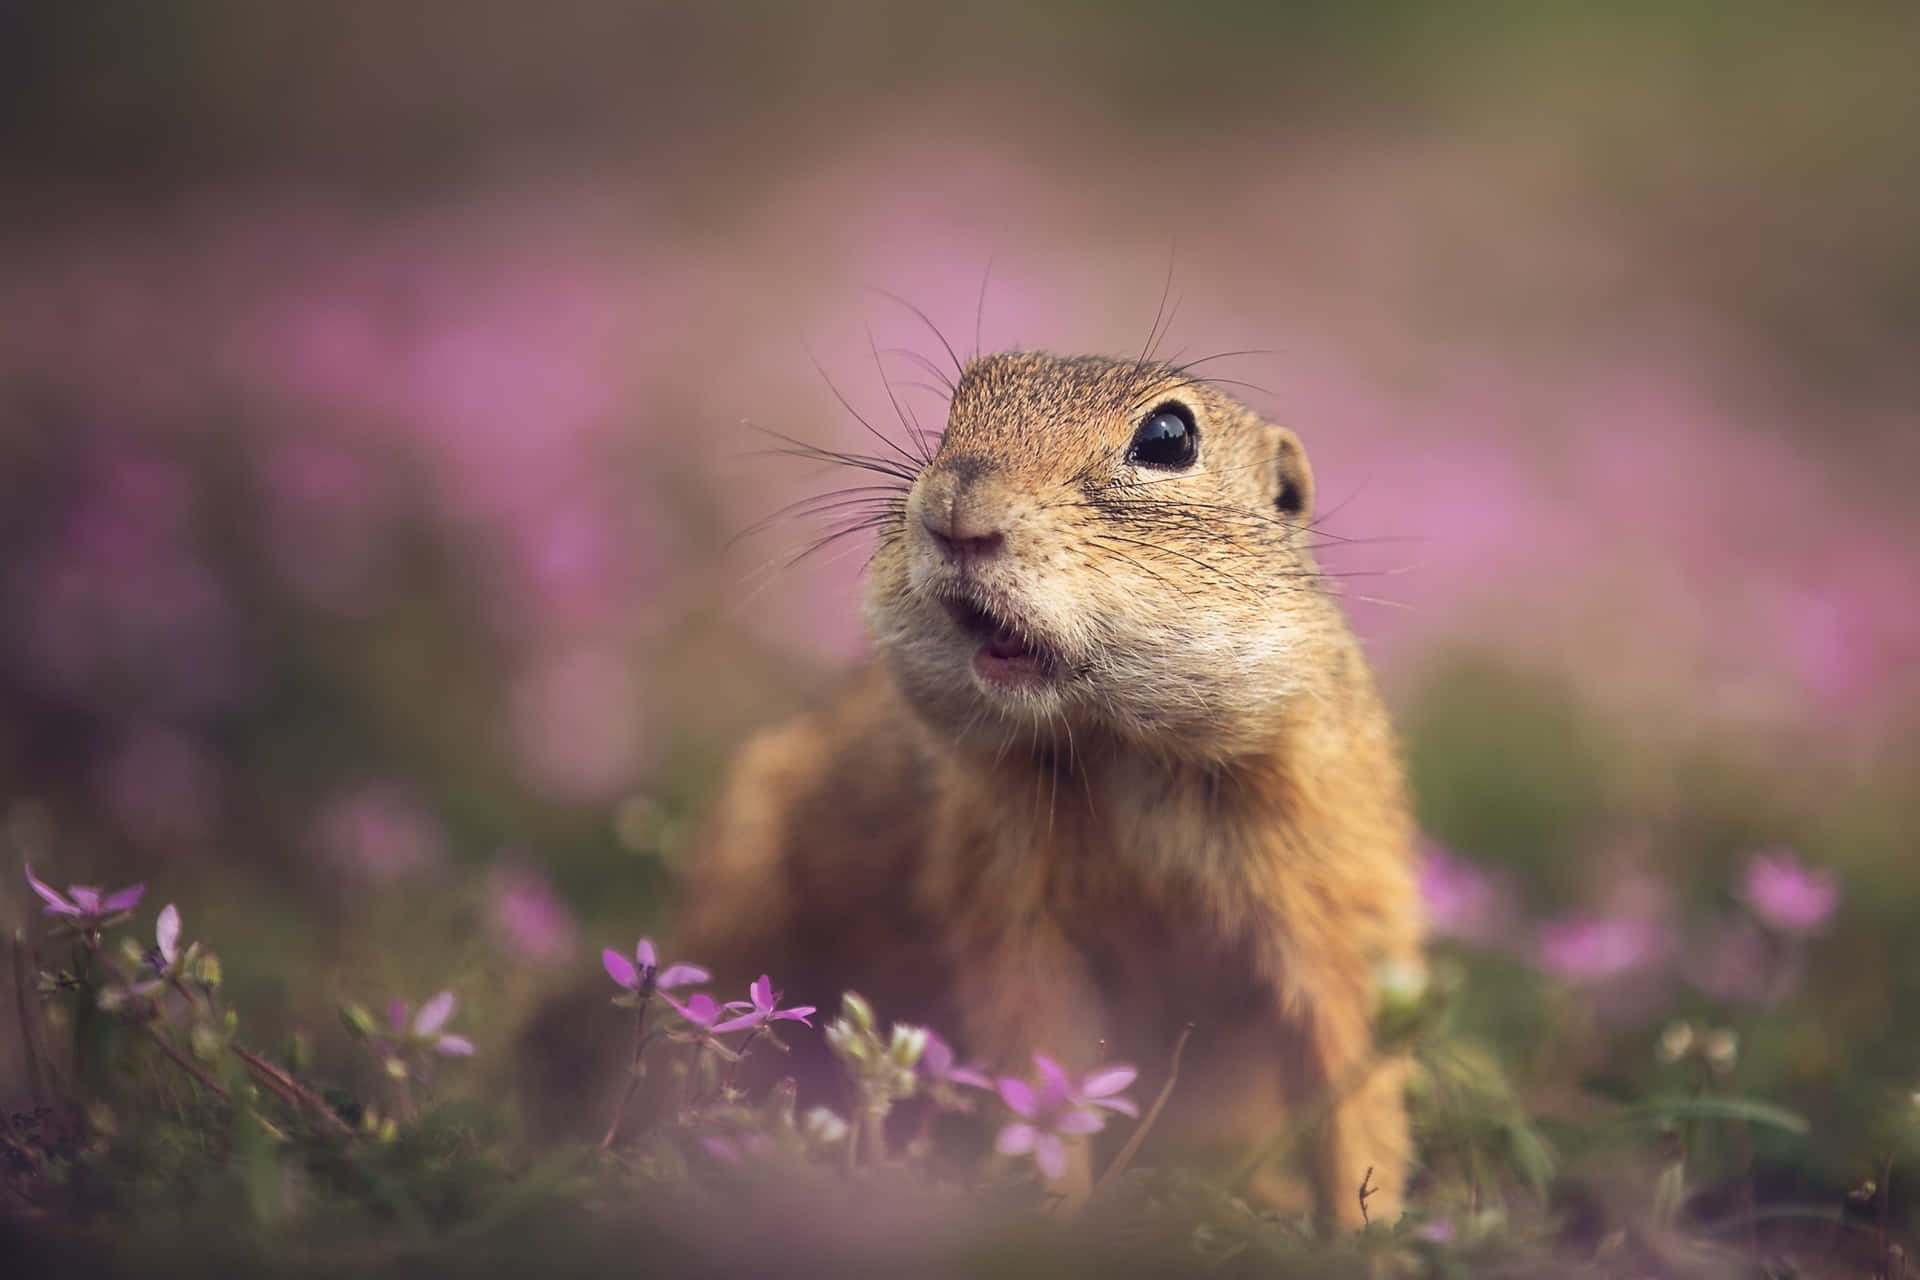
(433,1014)
(700,1010)
(1107,1080)
(1053,1082)
(166,932)
(56,903)
(762,993)
(1050,1154)
(1078,1121)
(681,975)
(1122,1105)
(125,900)
(644,953)
(799,1013)
(1017,1094)
(397,1014)
(1015,1140)
(620,969)
(455,1046)
(740,1023)
(969,1077)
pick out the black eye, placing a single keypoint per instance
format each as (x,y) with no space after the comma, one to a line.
(1166,438)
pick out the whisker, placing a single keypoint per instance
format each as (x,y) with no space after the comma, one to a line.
(958,367)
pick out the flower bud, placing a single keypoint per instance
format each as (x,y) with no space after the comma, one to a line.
(357,1020)
(207,1043)
(908,1044)
(823,1126)
(1675,1043)
(206,970)
(1722,1049)
(299,1051)
(854,1008)
(1402,1007)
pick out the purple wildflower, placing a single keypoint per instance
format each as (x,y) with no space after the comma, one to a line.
(647,977)
(166,936)
(425,1031)
(763,1009)
(701,1011)
(1062,1107)
(1794,899)
(939,1065)
(1461,900)
(1597,948)
(83,904)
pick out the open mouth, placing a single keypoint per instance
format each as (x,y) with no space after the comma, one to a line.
(1006,656)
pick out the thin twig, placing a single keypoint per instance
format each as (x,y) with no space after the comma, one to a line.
(1139,1135)
(29,1042)
(1365,1193)
(291,1090)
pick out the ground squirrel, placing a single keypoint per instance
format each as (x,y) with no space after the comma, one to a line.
(1119,765)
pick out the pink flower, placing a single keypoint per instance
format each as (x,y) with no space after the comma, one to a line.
(701,1012)
(84,904)
(764,1008)
(938,1065)
(1598,948)
(530,915)
(1060,1108)
(1792,898)
(378,830)
(425,1031)
(1461,900)
(646,977)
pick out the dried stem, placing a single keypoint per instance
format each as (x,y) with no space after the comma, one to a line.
(1139,1135)
(186,1064)
(291,1091)
(23,1009)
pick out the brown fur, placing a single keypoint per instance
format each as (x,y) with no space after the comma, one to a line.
(1199,816)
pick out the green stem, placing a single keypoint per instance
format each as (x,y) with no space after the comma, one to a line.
(633,1078)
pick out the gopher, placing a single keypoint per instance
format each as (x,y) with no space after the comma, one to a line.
(1118,766)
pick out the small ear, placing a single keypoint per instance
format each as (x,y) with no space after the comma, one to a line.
(1292,479)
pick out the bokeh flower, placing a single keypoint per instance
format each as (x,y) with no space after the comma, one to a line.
(86,906)
(1793,898)
(1461,900)
(1595,949)
(425,1033)
(529,915)
(940,1066)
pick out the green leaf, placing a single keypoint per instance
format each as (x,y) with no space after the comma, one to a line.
(1659,1111)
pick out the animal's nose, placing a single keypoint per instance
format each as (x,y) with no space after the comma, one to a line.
(962,515)
(977,546)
